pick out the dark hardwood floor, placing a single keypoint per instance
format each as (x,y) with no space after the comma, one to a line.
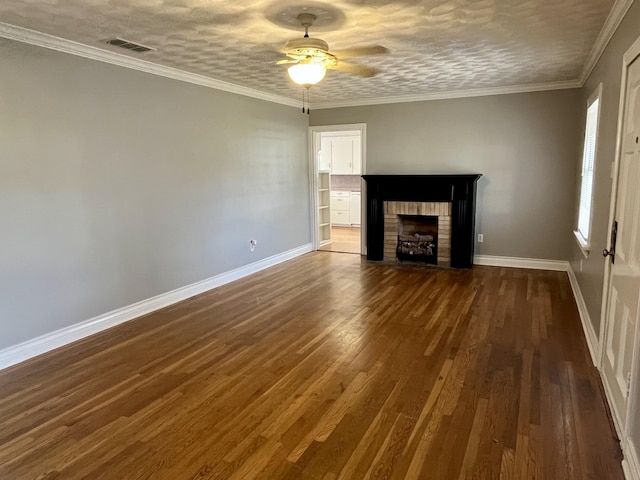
(325,367)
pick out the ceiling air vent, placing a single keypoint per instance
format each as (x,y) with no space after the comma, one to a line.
(136,47)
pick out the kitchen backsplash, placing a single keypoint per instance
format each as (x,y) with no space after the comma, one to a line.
(345,182)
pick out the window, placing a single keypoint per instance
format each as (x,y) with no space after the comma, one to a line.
(583,232)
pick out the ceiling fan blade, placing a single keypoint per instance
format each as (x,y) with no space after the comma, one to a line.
(361,51)
(354,69)
(286,61)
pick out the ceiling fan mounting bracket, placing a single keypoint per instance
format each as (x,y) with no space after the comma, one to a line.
(326,16)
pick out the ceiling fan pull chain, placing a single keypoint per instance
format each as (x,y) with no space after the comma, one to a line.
(308,102)
(302,101)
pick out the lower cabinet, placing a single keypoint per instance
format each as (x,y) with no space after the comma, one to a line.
(339,217)
(354,211)
(340,208)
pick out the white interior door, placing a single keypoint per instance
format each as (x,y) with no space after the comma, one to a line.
(624,283)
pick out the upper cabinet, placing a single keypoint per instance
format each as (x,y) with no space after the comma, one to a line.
(357,157)
(341,154)
(324,155)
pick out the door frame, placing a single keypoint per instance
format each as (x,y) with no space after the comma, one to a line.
(628,464)
(314,132)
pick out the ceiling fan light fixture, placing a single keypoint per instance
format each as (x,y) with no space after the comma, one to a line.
(307,74)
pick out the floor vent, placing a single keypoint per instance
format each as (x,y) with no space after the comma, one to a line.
(136,47)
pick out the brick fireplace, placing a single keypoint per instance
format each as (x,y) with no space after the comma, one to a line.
(450,198)
(395,214)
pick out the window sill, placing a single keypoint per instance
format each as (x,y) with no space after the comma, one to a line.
(584,246)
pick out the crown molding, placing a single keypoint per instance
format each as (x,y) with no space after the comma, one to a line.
(450,94)
(52,42)
(611,24)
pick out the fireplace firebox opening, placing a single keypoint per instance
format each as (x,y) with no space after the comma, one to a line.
(417,238)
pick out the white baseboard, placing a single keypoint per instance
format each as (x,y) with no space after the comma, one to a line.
(608,396)
(585,319)
(516,262)
(630,464)
(50,341)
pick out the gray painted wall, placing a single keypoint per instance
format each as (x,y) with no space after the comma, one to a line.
(608,71)
(116,186)
(525,145)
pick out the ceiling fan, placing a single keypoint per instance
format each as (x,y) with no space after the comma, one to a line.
(310,57)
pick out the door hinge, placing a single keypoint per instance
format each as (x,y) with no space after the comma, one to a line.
(628,385)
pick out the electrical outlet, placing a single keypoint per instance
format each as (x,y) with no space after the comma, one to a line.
(252,244)
(480,238)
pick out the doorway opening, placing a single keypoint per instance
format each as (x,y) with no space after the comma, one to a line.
(337,155)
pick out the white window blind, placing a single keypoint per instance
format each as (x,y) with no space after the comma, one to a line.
(588,163)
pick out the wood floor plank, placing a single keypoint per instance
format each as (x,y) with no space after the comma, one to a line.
(326,367)
(344,239)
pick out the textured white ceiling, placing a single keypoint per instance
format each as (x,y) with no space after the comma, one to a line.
(435,45)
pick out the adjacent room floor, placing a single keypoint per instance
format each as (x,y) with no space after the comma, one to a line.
(325,367)
(344,239)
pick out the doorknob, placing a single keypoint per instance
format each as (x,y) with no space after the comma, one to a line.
(606,253)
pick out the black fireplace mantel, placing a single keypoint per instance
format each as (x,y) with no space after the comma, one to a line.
(460,190)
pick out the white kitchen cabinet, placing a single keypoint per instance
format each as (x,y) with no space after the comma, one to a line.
(324,155)
(340,217)
(340,208)
(357,158)
(354,211)
(340,203)
(341,154)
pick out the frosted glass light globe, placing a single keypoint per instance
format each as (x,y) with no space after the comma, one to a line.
(307,74)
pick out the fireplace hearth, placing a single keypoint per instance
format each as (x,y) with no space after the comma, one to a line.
(448,201)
